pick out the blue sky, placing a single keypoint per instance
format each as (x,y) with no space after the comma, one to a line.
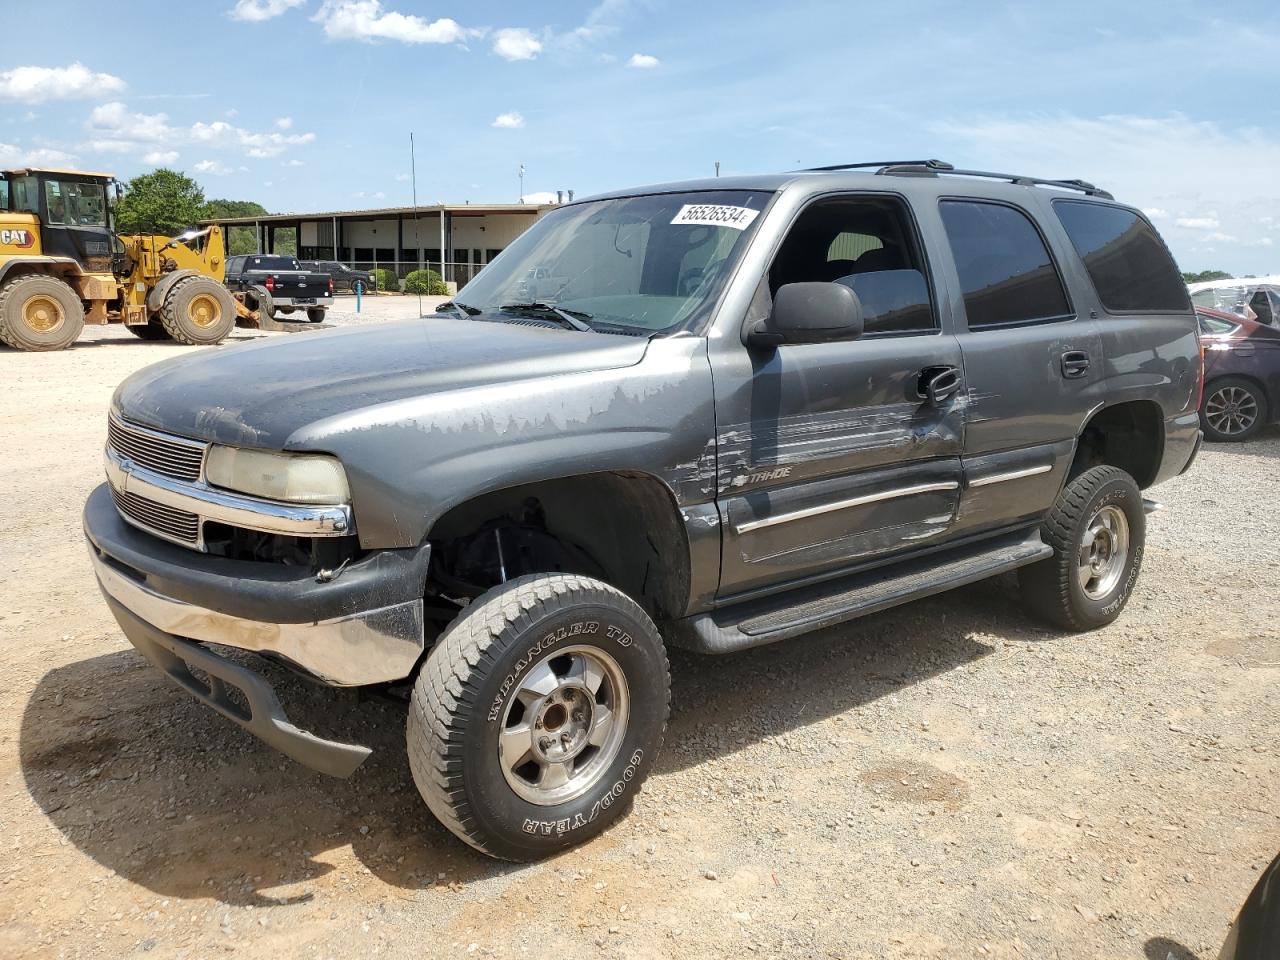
(307,104)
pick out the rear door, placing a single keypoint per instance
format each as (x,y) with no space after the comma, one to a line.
(829,454)
(1032,359)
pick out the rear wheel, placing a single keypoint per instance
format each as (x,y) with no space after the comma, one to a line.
(40,313)
(538,714)
(315,314)
(260,299)
(1234,409)
(1097,528)
(198,311)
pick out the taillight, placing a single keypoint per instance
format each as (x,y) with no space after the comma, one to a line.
(1200,389)
(331,286)
(271,284)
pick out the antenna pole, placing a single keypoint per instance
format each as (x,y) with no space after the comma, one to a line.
(417,232)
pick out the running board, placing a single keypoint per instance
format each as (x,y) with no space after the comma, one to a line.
(767,620)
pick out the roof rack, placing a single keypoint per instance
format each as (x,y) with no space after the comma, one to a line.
(931,164)
(931,168)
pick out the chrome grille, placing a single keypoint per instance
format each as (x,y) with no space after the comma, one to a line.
(171,456)
(158,518)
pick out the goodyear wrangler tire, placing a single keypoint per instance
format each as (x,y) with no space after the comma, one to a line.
(538,714)
(1097,528)
(198,311)
(39,312)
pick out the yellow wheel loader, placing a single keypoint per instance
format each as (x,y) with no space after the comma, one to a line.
(62,266)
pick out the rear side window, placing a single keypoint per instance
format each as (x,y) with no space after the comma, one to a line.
(1125,257)
(1006,273)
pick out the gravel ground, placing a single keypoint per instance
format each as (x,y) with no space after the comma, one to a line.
(947,779)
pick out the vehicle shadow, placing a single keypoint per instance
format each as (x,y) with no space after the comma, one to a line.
(170,796)
(1161,948)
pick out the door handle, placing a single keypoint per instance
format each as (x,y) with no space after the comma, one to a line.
(1075,364)
(939,384)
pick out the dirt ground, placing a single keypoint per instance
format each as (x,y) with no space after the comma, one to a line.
(948,779)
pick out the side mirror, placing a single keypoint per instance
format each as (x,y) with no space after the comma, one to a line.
(810,313)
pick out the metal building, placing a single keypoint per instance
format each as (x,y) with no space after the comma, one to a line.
(454,239)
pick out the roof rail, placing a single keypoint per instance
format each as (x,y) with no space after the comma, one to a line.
(940,165)
(916,170)
(931,168)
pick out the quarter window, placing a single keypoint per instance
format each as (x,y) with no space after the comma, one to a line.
(1125,257)
(1006,274)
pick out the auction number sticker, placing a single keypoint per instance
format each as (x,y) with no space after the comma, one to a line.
(715,215)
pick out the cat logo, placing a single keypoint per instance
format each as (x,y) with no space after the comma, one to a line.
(17,238)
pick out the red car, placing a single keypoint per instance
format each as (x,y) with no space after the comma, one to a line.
(1241,375)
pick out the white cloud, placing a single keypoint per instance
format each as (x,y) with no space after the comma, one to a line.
(516,43)
(115,128)
(284,123)
(508,121)
(366,20)
(643,61)
(38,84)
(14,156)
(1260,242)
(215,167)
(1217,237)
(539,196)
(161,158)
(255,11)
(1116,152)
(364,195)
(292,162)
(1156,213)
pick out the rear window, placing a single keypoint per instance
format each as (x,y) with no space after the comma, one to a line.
(272,263)
(1130,267)
(1006,273)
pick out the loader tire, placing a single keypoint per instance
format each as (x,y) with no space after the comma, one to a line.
(39,313)
(198,311)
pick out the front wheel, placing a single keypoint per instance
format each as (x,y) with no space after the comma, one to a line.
(1097,528)
(538,714)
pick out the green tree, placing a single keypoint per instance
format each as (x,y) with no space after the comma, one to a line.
(163,201)
(1205,275)
(239,239)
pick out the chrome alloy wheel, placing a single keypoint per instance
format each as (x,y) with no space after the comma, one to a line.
(564,725)
(1104,551)
(1231,410)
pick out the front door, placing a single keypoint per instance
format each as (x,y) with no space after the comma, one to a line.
(830,455)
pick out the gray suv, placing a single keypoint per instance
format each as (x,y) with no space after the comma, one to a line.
(755,407)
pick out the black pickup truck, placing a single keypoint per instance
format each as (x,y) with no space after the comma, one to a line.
(274,283)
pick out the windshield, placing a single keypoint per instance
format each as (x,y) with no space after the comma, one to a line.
(76,204)
(648,264)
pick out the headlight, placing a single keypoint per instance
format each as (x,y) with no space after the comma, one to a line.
(292,477)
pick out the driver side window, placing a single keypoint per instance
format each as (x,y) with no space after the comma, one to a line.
(868,244)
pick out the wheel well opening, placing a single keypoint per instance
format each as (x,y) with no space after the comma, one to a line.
(1128,435)
(621,528)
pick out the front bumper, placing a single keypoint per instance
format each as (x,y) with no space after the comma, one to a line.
(258,710)
(364,626)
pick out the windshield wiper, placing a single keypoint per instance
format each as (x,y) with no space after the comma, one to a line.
(570,318)
(464,311)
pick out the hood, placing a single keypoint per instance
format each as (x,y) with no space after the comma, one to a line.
(259,394)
